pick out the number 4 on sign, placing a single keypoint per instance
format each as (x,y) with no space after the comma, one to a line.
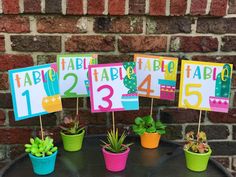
(148,89)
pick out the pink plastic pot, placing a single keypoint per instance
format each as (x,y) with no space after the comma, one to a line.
(115,161)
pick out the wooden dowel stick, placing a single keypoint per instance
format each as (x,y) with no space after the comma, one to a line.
(41,127)
(77,106)
(199,123)
(113,121)
(151,107)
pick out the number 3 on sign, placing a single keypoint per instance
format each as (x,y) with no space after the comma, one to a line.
(188,93)
(106,98)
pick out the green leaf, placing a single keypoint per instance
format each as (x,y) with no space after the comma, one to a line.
(138,120)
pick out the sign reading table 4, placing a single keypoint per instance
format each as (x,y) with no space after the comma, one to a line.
(205,86)
(113,87)
(35,91)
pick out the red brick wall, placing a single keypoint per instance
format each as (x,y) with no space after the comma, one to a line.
(34,32)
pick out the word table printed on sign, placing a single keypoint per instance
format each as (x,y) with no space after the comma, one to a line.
(73,74)
(205,86)
(156,76)
(113,87)
(35,91)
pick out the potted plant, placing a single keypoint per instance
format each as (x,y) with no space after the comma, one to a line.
(72,134)
(115,152)
(42,154)
(197,151)
(150,131)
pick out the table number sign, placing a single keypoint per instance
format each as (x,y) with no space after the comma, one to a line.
(205,86)
(73,74)
(113,87)
(156,76)
(35,91)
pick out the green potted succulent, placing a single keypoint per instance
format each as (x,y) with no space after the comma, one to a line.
(197,151)
(115,152)
(150,131)
(42,154)
(72,134)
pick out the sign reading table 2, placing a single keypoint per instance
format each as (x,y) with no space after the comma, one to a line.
(205,86)
(73,74)
(113,87)
(35,91)
(156,76)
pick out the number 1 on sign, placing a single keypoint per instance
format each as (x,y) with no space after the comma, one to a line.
(26,94)
(148,89)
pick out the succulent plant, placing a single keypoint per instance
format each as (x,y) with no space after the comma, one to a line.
(196,144)
(40,148)
(223,85)
(149,125)
(71,126)
(115,143)
(130,79)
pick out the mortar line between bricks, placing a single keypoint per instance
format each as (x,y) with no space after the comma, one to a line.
(126,7)
(188,7)
(105,12)
(63,40)
(21,6)
(63,6)
(167,7)
(227,8)
(147,7)
(7,43)
(43,6)
(208,6)
(168,44)
(144,26)
(194,27)
(85,6)
(1,10)
(33,25)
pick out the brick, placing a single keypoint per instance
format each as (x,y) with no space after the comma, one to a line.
(233,81)
(177,115)
(2,43)
(173,132)
(15,151)
(53,132)
(146,102)
(233,163)
(232,7)
(3,153)
(222,148)
(234,98)
(212,131)
(228,43)
(142,43)
(217,117)
(4,84)
(96,7)
(91,43)
(71,102)
(198,7)
(10,7)
(53,6)
(169,25)
(48,120)
(32,6)
(15,135)
(193,44)
(216,58)
(116,7)
(114,58)
(157,7)
(43,59)
(6,100)
(2,117)
(224,161)
(216,25)
(234,132)
(74,7)
(59,24)
(14,24)
(9,61)
(36,43)
(218,7)
(118,25)
(96,130)
(178,7)
(137,7)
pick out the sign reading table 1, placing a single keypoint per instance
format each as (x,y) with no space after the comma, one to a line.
(73,74)
(156,76)
(35,91)
(205,86)
(113,87)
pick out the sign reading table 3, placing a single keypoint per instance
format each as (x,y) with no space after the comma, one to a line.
(35,91)
(205,86)
(113,87)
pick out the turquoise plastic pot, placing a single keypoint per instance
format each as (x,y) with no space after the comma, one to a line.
(43,165)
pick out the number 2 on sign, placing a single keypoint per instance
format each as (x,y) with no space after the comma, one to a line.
(148,90)
(106,98)
(188,92)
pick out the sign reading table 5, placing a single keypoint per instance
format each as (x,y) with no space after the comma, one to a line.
(35,91)
(73,74)
(205,86)
(113,87)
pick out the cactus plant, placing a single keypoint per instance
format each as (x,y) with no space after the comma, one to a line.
(51,87)
(41,148)
(130,80)
(170,75)
(222,88)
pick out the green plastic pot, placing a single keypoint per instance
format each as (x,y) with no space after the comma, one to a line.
(196,161)
(72,142)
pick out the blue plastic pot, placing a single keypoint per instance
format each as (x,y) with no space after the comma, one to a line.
(43,165)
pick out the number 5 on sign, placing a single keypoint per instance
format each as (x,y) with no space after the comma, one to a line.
(35,91)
